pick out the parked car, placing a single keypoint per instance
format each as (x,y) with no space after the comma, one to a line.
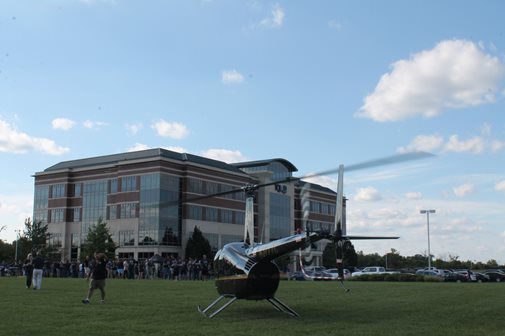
(495,276)
(430,273)
(333,272)
(297,276)
(372,270)
(314,269)
(451,276)
(481,277)
(469,275)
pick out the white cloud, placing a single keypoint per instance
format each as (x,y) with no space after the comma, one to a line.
(325,181)
(454,74)
(13,141)
(232,77)
(464,190)
(367,194)
(427,143)
(133,129)
(138,147)
(225,155)
(414,195)
(14,209)
(500,186)
(474,145)
(275,19)
(332,24)
(172,130)
(430,143)
(486,129)
(93,124)
(63,124)
(497,145)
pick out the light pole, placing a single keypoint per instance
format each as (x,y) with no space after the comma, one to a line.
(427,212)
(17,239)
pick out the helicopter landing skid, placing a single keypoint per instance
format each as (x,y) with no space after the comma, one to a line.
(220,309)
(279,305)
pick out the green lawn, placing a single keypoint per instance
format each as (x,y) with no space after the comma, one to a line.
(159,307)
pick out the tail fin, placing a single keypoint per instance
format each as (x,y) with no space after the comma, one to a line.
(339,211)
(249,221)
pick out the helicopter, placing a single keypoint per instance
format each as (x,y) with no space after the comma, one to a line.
(246,270)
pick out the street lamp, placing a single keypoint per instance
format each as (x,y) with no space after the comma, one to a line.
(17,239)
(427,212)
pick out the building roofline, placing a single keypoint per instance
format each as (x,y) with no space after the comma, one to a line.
(138,156)
(289,166)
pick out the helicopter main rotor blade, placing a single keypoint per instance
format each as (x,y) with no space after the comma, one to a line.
(375,163)
(368,164)
(368,237)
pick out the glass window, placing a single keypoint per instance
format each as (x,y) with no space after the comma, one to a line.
(280,216)
(55,239)
(57,215)
(195,186)
(239,217)
(195,212)
(77,190)
(211,214)
(76,214)
(58,191)
(212,188)
(113,186)
(226,216)
(128,210)
(112,212)
(126,238)
(128,183)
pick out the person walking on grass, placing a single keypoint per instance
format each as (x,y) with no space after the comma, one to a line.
(38,271)
(98,275)
(28,267)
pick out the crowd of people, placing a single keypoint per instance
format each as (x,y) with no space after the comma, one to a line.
(171,268)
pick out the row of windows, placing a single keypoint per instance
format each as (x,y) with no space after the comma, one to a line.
(208,188)
(215,215)
(58,215)
(319,226)
(322,208)
(58,191)
(280,216)
(126,238)
(279,170)
(55,240)
(123,211)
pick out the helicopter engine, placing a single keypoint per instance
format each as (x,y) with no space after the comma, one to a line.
(240,276)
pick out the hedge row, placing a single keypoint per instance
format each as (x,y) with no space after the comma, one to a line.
(406,277)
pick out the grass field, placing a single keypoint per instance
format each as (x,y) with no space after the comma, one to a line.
(160,307)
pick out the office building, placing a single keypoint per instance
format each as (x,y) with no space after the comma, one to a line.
(152,200)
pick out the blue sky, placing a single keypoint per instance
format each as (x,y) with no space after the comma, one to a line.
(319,83)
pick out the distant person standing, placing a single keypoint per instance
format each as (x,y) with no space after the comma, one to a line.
(28,267)
(98,274)
(38,270)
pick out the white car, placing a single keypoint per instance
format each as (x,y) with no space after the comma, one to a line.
(333,272)
(371,270)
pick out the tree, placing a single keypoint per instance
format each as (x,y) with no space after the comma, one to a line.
(197,245)
(6,251)
(393,259)
(35,239)
(350,258)
(99,239)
